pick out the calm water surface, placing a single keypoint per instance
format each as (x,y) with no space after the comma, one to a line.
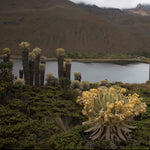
(129,73)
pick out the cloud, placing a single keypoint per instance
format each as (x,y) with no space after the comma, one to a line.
(114,3)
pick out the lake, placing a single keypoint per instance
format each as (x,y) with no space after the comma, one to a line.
(127,73)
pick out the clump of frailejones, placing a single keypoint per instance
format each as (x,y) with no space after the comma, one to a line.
(108,111)
(25,46)
(60,57)
(37,52)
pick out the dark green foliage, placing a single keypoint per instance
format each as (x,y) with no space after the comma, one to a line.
(64,82)
(72,139)
(6,58)
(28,117)
(6,72)
(27,120)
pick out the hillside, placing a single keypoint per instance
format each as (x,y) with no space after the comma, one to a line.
(135,25)
(50,24)
(143,10)
(9,5)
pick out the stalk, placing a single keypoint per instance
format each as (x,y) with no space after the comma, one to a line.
(37,52)
(68,68)
(42,73)
(60,56)
(21,73)
(25,46)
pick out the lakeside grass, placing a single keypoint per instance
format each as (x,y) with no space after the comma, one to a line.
(96,60)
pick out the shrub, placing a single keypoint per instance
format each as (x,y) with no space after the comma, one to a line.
(85,85)
(77,76)
(20,81)
(71,139)
(104,82)
(108,109)
(75,84)
(64,82)
(95,85)
(51,80)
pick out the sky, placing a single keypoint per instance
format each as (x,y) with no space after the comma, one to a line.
(114,3)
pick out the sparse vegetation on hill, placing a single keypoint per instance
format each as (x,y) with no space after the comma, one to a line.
(64,25)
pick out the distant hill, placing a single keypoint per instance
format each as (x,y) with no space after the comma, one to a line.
(9,5)
(137,26)
(143,10)
(50,24)
(64,24)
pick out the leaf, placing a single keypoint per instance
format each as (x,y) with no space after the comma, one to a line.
(108,133)
(98,134)
(128,126)
(96,126)
(125,129)
(120,134)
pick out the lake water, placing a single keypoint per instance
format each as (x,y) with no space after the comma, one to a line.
(128,73)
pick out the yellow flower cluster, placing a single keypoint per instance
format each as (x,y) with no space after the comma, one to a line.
(6,51)
(37,51)
(31,56)
(68,61)
(42,67)
(110,106)
(48,75)
(20,81)
(24,45)
(43,59)
(60,51)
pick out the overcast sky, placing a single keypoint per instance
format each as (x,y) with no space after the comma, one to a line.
(114,3)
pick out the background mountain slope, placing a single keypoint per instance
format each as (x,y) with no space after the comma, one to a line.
(50,24)
(135,25)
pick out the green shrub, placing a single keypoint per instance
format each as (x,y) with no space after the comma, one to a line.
(64,82)
(75,84)
(84,85)
(72,139)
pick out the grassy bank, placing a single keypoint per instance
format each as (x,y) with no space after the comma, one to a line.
(105,59)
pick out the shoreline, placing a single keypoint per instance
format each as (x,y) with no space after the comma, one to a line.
(100,60)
